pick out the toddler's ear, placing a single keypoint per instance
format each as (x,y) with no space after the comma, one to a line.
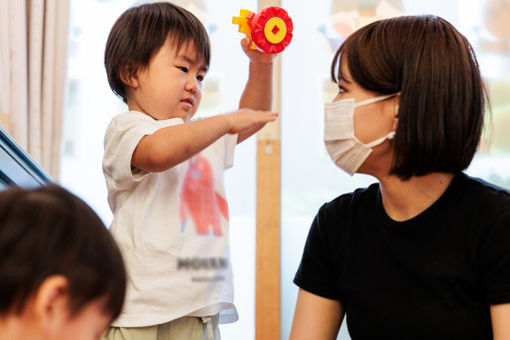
(128,74)
(51,304)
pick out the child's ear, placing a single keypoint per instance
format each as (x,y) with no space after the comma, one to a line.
(51,304)
(129,74)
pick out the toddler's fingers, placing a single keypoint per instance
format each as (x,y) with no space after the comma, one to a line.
(271,116)
(245,43)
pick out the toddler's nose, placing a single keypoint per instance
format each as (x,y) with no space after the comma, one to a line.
(192,85)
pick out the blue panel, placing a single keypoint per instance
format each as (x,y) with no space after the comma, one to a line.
(17,167)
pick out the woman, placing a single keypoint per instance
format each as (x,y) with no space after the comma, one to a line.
(424,253)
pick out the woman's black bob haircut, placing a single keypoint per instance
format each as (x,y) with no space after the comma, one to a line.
(442,96)
(49,231)
(140,32)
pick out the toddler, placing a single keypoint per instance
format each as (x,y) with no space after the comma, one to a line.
(164,172)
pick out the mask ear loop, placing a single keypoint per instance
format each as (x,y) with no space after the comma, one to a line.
(378,141)
(373,100)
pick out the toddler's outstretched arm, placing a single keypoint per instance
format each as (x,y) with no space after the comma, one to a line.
(172,145)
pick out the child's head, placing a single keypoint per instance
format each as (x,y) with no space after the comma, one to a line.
(434,69)
(136,40)
(61,274)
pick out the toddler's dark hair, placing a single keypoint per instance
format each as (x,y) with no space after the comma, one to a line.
(49,231)
(140,32)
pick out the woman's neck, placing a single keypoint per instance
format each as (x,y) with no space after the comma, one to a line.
(403,200)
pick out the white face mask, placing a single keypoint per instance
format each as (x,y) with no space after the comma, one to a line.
(347,151)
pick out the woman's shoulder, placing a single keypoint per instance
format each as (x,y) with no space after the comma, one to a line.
(484,191)
(360,198)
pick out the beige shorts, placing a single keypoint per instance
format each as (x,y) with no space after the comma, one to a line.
(186,328)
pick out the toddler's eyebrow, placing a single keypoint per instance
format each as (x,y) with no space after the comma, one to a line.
(191,61)
(186,58)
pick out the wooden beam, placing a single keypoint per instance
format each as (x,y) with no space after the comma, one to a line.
(267,294)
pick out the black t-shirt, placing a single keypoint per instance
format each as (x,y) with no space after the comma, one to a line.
(431,277)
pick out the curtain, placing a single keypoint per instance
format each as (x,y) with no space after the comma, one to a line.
(33,51)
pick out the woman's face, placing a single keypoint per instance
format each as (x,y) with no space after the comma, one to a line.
(371,121)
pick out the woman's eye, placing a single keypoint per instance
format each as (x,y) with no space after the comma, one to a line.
(341,89)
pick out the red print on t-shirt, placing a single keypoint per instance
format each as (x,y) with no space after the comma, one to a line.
(199,198)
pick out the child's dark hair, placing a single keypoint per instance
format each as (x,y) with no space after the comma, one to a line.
(49,231)
(140,32)
(442,96)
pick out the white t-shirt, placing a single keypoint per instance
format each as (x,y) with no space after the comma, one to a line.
(171,226)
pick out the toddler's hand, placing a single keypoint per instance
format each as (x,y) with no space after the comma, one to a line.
(255,55)
(244,119)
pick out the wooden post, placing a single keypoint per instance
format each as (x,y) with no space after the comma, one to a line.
(267,294)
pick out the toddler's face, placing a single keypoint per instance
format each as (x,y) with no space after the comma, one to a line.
(89,324)
(171,86)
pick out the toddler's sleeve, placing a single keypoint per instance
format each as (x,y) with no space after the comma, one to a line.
(121,138)
(230,146)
